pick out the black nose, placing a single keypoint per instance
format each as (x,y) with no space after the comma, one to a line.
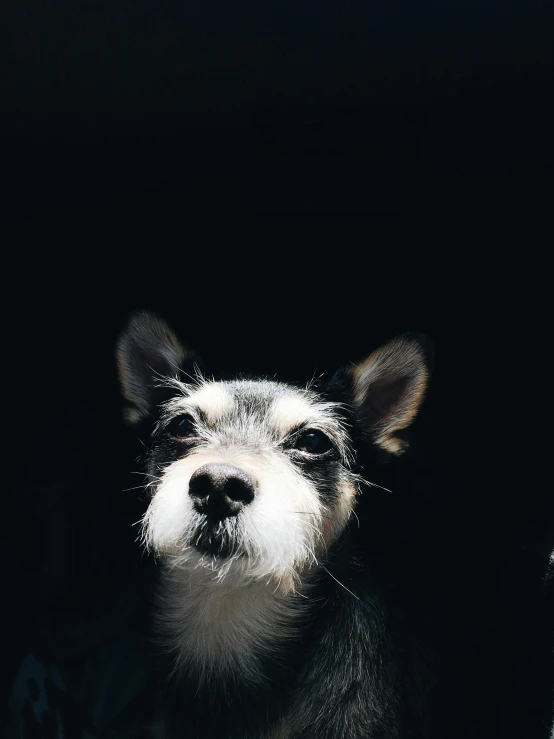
(221,490)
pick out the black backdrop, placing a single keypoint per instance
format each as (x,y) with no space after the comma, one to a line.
(129,131)
(283,107)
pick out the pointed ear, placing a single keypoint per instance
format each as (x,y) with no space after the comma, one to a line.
(389,386)
(148,351)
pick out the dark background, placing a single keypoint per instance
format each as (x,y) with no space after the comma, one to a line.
(391,107)
(136,139)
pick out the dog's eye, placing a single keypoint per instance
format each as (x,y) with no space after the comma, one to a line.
(182,427)
(313,442)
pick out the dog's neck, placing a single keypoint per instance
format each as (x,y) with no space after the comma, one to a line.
(225,629)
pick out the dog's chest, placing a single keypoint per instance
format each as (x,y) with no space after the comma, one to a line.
(284,729)
(223,632)
(280,732)
(159,730)
(236,650)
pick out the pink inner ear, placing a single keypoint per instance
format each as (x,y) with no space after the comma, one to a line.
(385,397)
(389,387)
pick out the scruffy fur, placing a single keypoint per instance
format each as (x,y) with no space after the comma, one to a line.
(275,624)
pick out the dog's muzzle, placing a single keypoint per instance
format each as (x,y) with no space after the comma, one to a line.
(220,491)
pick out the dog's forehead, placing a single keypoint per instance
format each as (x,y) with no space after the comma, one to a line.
(278,404)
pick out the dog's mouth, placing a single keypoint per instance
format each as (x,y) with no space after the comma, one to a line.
(215,539)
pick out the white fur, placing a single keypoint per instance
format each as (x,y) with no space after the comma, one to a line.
(290,411)
(278,532)
(213,399)
(227,628)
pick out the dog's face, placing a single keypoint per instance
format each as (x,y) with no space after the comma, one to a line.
(253,479)
(254,476)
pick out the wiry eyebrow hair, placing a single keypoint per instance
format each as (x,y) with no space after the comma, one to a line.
(209,398)
(285,414)
(318,414)
(174,408)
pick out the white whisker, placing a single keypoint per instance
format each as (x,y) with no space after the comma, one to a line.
(339,582)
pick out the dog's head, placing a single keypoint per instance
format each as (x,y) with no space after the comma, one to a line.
(255,478)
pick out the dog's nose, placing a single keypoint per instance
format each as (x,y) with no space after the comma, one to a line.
(221,490)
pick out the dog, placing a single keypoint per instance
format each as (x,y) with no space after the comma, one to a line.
(270,610)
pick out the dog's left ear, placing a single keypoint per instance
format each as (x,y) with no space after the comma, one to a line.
(147,353)
(388,388)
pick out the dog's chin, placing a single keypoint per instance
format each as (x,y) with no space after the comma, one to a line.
(215,547)
(214,542)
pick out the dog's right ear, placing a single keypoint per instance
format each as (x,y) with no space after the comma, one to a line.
(387,388)
(147,352)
